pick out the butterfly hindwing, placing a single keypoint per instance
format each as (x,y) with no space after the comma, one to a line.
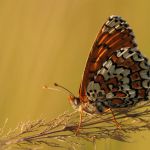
(126,79)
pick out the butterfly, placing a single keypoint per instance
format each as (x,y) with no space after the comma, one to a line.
(116,75)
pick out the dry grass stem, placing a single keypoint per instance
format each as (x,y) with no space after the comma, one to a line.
(60,132)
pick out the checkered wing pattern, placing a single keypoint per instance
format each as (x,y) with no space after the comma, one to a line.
(116,75)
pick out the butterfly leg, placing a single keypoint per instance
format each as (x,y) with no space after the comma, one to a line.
(80,121)
(114,118)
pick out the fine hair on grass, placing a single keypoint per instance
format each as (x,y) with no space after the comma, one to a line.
(60,131)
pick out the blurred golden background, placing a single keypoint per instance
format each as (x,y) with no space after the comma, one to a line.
(47,41)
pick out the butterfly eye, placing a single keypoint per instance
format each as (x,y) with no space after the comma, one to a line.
(77,101)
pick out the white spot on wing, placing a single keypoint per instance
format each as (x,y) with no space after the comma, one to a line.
(122,51)
(109,95)
(146,83)
(145,74)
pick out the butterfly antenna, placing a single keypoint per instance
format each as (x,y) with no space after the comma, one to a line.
(60,86)
(64,89)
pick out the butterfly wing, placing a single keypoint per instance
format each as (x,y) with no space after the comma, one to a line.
(114,35)
(124,79)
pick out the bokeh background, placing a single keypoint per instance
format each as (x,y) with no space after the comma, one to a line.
(47,41)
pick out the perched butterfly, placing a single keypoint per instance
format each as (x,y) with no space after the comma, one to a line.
(116,75)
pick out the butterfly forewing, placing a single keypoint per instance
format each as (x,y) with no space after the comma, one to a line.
(114,35)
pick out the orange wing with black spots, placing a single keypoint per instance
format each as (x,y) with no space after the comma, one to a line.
(114,35)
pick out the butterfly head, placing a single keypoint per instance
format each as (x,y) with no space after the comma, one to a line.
(74,101)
